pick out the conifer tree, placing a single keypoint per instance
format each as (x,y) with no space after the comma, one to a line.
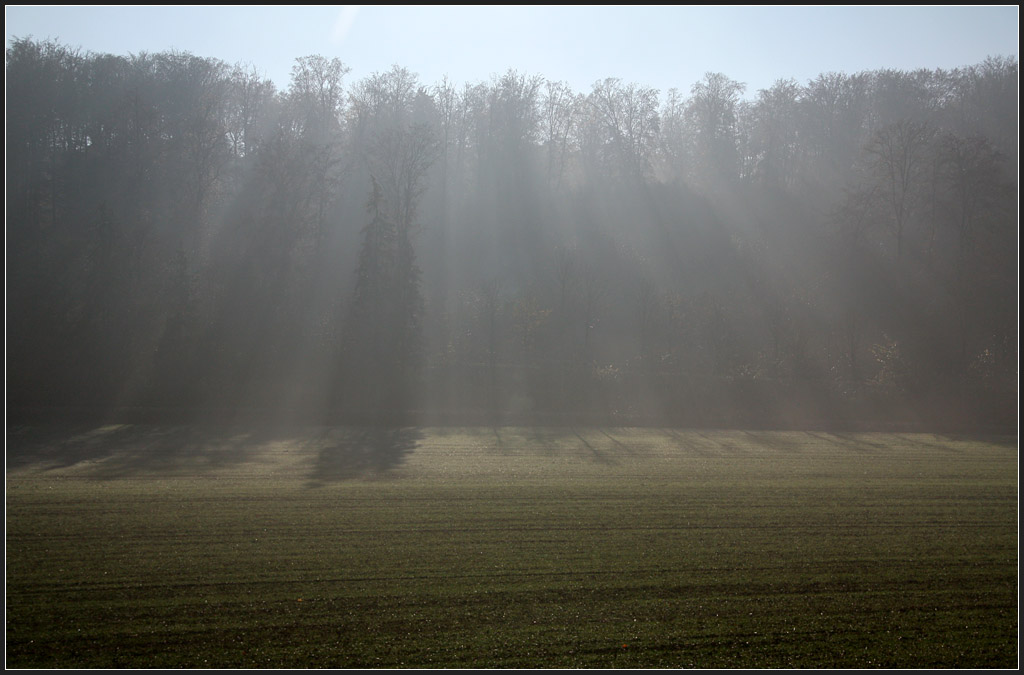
(382,341)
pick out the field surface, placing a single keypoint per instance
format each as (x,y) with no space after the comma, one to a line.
(174,547)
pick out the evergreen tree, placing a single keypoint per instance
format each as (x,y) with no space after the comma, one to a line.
(382,340)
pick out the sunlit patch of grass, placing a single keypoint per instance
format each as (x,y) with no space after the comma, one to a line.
(512,547)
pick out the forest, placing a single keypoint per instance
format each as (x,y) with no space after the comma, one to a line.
(185,242)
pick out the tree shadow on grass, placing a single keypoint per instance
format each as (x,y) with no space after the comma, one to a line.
(1007,441)
(119,450)
(362,452)
(854,442)
(597,455)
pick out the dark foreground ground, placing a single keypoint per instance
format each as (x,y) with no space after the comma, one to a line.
(150,547)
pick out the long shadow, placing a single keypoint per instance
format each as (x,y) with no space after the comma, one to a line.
(54,446)
(599,457)
(362,452)
(852,442)
(499,443)
(918,442)
(1002,439)
(688,445)
(619,444)
(770,441)
(113,451)
(720,445)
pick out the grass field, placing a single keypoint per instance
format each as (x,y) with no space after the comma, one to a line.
(161,547)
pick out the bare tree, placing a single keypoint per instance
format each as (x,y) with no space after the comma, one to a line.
(776,120)
(628,123)
(316,93)
(676,148)
(560,111)
(712,111)
(834,112)
(975,187)
(897,155)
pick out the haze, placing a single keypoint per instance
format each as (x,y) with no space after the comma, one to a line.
(628,227)
(512,337)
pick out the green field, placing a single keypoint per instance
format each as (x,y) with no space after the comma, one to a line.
(163,547)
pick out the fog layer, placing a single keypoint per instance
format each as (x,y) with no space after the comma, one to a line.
(186,242)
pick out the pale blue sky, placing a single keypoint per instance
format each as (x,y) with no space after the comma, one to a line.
(657,46)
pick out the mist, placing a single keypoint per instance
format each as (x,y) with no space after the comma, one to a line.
(186,242)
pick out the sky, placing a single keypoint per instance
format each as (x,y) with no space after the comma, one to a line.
(663,47)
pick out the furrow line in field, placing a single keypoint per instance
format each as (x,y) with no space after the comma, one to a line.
(632,577)
(300,530)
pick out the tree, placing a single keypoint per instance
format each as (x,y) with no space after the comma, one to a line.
(315,109)
(316,95)
(712,111)
(899,95)
(446,99)
(507,129)
(775,124)
(897,156)
(249,105)
(972,174)
(384,320)
(627,123)
(383,345)
(560,110)
(834,113)
(676,138)
(382,101)
(975,192)
(398,162)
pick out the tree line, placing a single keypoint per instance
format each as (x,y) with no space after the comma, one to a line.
(186,240)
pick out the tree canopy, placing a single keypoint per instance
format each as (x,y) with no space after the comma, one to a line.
(183,239)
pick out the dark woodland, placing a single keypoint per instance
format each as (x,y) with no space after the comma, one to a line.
(187,243)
